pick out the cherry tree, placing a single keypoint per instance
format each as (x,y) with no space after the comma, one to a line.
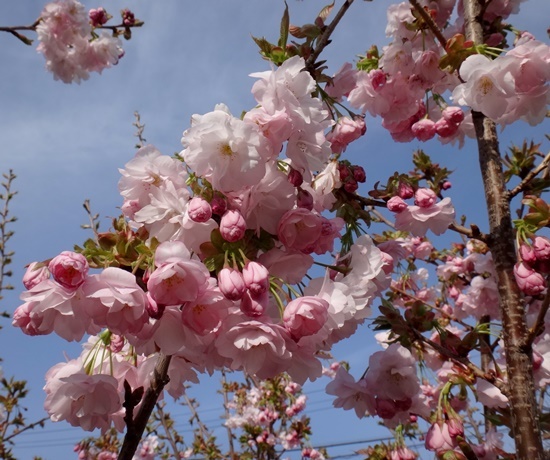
(209,267)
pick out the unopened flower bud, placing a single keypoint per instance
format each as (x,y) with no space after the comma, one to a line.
(295,177)
(231,283)
(199,209)
(218,205)
(232,226)
(256,278)
(424,129)
(69,269)
(396,204)
(98,17)
(425,197)
(304,199)
(453,114)
(405,190)
(35,274)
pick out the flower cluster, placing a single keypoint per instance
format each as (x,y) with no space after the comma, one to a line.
(70,44)
(203,268)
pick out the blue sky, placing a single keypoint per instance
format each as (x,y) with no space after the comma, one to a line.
(66,143)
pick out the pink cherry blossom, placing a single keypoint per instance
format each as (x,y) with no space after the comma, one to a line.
(349,393)
(256,347)
(69,269)
(418,220)
(122,303)
(177,278)
(228,152)
(305,316)
(86,401)
(35,273)
(345,132)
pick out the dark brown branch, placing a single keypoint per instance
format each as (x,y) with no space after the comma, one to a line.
(473,232)
(475,370)
(532,174)
(137,426)
(25,428)
(538,327)
(525,423)
(429,22)
(324,39)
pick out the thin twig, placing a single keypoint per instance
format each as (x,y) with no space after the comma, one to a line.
(324,39)
(27,427)
(478,372)
(167,431)
(473,232)
(429,22)
(532,174)
(433,307)
(230,435)
(538,327)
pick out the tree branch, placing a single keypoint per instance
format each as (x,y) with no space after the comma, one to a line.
(324,39)
(429,22)
(137,426)
(532,174)
(538,327)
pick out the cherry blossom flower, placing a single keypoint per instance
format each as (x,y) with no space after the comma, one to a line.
(228,152)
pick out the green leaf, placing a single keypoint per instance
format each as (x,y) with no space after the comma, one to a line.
(325,12)
(285,23)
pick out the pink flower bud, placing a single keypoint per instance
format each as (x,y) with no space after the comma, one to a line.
(446,185)
(445,128)
(69,269)
(254,306)
(231,283)
(153,309)
(256,278)
(378,79)
(456,428)
(438,438)
(529,281)
(405,190)
(424,129)
(128,18)
(295,177)
(305,316)
(304,199)
(351,186)
(453,114)
(396,204)
(541,246)
(425,198)
(219,205)
(232,226)
(527,255)
(346,131)
(199,209)
(98,17)
(385,408)
(359,174)
(36,273)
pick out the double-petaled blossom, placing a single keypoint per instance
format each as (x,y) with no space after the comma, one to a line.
(230,153)
(177,278)
(69,269)
(426,215)
(66,41)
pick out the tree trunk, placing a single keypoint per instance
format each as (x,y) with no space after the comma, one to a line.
(524,412)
